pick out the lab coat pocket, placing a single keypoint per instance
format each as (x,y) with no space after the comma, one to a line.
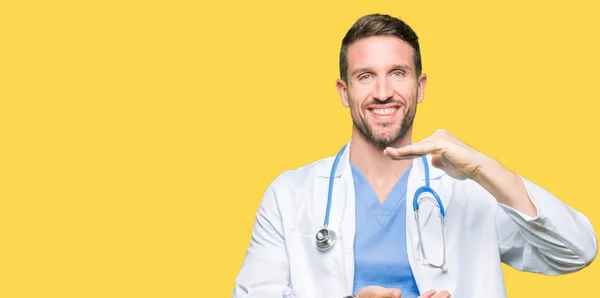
(315,273)
(291,293)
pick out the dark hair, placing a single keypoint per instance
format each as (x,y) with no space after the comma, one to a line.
(379,25)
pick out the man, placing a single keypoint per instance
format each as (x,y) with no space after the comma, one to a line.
(381,249)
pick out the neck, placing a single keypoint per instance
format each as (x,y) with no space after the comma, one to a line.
(377,167)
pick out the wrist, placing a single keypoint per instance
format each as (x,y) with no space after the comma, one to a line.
(482,173)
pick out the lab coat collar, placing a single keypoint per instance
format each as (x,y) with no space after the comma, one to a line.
(324,169)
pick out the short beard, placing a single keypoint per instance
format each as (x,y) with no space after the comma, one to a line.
(381,143)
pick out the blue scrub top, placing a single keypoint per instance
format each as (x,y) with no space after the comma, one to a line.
(380,243)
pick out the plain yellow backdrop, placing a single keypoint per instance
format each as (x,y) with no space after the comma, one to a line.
(137,137)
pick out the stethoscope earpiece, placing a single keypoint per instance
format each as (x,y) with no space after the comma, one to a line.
(325,239)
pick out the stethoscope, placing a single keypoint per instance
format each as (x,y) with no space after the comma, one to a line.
(326,237)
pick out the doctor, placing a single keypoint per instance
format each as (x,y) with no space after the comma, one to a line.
(370,244)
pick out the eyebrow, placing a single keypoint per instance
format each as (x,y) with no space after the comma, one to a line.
(366,69)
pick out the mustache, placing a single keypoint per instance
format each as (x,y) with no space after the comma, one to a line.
(387,102)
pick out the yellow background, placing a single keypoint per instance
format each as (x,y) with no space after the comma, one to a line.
(138,137)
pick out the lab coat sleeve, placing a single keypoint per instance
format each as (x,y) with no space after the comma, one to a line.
(265,270)
(558,240)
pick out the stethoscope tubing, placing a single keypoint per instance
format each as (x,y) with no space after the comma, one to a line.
(326,237)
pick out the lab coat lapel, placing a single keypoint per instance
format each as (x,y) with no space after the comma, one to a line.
(348,226)
(343,217)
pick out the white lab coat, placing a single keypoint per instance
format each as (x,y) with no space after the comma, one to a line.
(283,260)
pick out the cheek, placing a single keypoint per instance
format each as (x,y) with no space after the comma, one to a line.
(355,107)
(404,88)
(407,93)
(357,96)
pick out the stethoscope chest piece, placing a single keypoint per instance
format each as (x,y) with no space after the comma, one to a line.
(325,238)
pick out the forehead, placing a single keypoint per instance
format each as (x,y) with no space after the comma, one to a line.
(379,52)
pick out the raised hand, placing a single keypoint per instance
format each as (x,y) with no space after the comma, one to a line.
(381,292)
(450,154)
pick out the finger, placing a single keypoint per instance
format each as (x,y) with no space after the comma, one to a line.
(406,156)
(390,151)
(428,294)
(437,135)
(415,150)
(396,293)
(442,294)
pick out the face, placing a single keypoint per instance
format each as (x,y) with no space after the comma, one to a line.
(383,89)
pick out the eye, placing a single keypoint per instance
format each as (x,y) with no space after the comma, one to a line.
(365,77)
(398,73)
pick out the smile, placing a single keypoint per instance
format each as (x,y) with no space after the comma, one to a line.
(383,112)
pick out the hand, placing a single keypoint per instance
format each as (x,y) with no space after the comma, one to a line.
(432,294)
(381,292)
(450,154)
(378,292)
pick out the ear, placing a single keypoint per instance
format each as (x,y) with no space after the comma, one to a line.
(421,84)
(342,90)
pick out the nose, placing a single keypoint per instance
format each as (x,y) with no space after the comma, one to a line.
(383,90)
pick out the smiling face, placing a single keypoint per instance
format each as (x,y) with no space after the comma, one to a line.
(382,89)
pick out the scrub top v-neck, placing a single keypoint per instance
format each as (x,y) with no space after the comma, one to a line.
(380,242)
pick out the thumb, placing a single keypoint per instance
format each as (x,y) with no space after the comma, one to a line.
(437,161)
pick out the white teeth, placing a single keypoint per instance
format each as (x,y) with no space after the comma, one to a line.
(384,111)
